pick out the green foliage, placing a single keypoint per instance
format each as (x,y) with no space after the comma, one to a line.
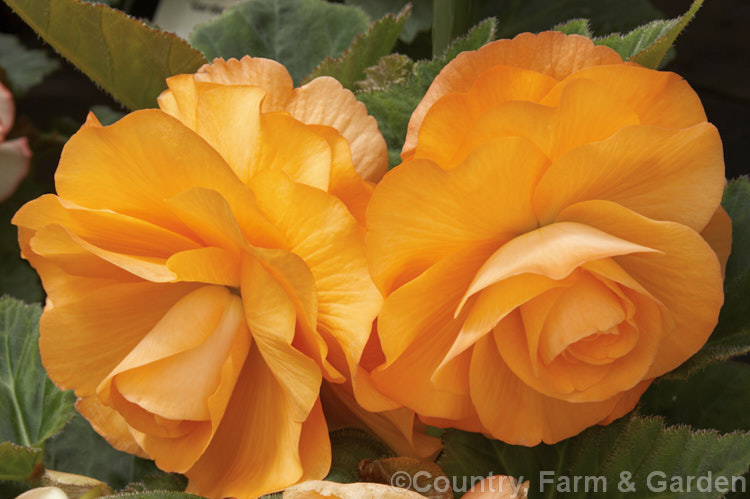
(390,70)
(23,67)
(634,445)
(393,105)
(652,56)
(637,40)
(19,463)
(606,16)
(297,33)
(575,27)
(732,334)
(121,54)
(420,19)
(349,446)
(80,450)
(365,51)
(33,408)
(715,398)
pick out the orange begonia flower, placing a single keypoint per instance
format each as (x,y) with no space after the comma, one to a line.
(549,244)
(14,154)
(206,271)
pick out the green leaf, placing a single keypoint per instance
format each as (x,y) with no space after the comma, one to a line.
(575,27)
(390,70)
(652,56)
(349,446)
(732,334)
(105,114)
(365,51)
(161,481)
(606,16)
(715,398)
(297,33)
(637,40)
(80,450)
(121,54)
(32,408)
(19,463)
(392,107)
(634,445)
(24,67)
(420,19)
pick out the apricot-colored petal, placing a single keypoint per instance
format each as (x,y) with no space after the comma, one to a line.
(684,275)
(419,213)
(14,165)
(553,251)
(320,230)
(718,234)
(56,243)
(452,120)
(416,329)
(322,489)
(228,118)
(271,315)
(180,100)
(256,448)
(627,401)
(132,166)
(324,101)
(551,53)
(675,175)
(210,265)
(659,98)
(315,445)
(257,71)
(109,424)
(345,183)
(103,228)
(528,417)
(309,159)
(85,337)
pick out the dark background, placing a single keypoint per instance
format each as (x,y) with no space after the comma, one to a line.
(713,54)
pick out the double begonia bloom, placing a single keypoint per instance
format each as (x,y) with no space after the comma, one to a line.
(205,268)
(552,242)
(14,154)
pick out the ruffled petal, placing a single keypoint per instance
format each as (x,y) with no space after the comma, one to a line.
(14,164)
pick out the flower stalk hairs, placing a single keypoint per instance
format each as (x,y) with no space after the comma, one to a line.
(551,243)
(205,269)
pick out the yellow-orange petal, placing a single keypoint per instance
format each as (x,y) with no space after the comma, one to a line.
(258,437)
(660,98)
(324,101)
(335,256)
(718,235)
(84,338)
(685,275)
(551,53)
(627,401)
(209,265)
(420,213)
(675,175)
(529,417)
(109,424)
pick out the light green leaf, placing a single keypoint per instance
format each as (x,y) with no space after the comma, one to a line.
(297,33)
(32,408)
(20,463)
(715,398)
(121,54)
(80,450)
(637,40)
(635,445)
(349,446)
(392,107)
(171,482)
(606,16)
(390,70)
(365,51)
(420,19)
(652,56)
(732,334)
(575,27)
(24,67)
